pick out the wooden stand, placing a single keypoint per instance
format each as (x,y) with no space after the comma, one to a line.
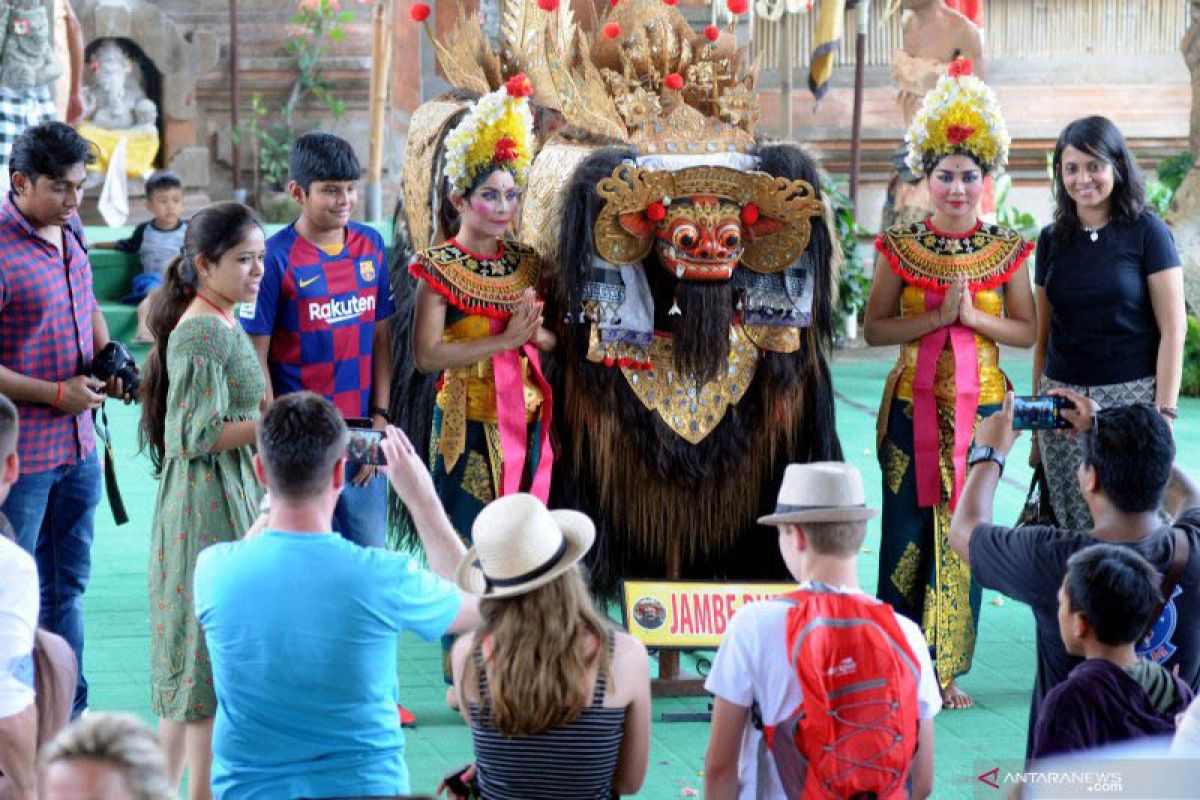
(669,683)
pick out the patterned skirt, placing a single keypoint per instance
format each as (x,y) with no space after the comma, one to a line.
(1061,452)
(920,576)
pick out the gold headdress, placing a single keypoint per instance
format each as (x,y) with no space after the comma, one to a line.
(960,115)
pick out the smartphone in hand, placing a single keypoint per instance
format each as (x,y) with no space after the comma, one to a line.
(1035,412)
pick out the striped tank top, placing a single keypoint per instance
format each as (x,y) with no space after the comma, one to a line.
(575,761)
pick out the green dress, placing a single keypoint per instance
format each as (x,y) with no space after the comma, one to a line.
(214,377)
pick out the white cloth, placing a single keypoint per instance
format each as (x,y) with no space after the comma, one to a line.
(18,623)
(753,664)
(114,196)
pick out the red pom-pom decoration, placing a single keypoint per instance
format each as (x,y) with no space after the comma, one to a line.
(960,67)
(547,5)
(674,81)
(656,212)
(519,86)
(749,214)
(505,150)
(670,2)
(712,32)
(419,12)
(612,30)
(623,363)
(957,134)
(608,361)
(737,6)
(613,3)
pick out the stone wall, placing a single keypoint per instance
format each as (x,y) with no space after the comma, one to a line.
(266,69)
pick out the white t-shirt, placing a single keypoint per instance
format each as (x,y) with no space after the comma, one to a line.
(753,664)
(18,623)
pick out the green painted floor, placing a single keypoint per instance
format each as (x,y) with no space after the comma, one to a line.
(968,742)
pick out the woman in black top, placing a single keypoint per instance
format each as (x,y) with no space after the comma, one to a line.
(1109,288)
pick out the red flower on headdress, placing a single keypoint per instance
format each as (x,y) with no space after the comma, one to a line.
(613,3)
(674,81)
(656,212)
(612,30)
(749,214)
(960,67)
(547,5)
(737,6)
(670,2)
(712,32)
(957,134)
(419,12)
(519,86)
(506,150)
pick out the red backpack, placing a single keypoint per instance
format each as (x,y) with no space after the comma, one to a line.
(854,733)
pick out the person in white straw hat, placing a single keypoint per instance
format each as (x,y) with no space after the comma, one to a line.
(557,700)
(821,517)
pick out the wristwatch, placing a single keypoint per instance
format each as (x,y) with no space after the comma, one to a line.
(985,452)
(381,412)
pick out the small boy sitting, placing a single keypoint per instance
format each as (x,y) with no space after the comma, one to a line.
(157,243)
(1107,600)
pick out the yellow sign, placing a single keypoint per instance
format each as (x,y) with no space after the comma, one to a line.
(686,614)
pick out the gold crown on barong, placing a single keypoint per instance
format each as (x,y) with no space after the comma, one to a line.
(647,79)
(685,101)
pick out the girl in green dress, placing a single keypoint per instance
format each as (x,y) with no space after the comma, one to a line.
(201,394)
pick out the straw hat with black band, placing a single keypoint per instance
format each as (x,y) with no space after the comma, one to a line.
(520,545)
(824,491)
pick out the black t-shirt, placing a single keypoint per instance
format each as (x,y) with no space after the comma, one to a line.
(1103,328)
(1028,564)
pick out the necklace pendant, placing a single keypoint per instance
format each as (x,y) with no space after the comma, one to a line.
(1094,235)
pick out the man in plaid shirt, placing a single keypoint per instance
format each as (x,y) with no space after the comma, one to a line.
(50,326)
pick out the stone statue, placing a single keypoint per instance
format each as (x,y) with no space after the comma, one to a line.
(114,89)
(115,107)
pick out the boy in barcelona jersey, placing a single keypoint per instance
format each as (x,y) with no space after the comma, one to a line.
(322,319)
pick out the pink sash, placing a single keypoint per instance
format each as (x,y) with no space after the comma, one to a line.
(926,452)
(511,419)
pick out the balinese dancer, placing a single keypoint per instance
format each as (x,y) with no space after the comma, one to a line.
(949,289)
(477,319)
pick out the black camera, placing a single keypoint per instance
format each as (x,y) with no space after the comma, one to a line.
(115,361)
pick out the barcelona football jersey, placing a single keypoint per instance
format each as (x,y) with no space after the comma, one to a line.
(320,311)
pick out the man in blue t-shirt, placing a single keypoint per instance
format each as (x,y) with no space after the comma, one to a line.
(302,624)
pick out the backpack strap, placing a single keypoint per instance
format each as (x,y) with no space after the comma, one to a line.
(1181,553)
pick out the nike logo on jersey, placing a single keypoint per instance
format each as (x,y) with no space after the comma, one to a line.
(309,282)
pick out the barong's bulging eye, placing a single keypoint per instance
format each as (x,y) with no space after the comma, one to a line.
(685,236)
(730,236)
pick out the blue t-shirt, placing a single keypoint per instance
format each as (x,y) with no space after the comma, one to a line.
(320,311)
(302,633)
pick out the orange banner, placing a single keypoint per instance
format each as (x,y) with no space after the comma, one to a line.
(688,615)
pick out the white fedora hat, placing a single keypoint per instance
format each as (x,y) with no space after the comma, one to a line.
(520,545)
(824,491)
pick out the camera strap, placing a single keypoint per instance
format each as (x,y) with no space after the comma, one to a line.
(115,501)
(1181,552)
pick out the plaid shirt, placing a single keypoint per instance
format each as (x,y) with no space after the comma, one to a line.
(46,332)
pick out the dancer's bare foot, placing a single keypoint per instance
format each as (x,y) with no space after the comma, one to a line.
(955,697)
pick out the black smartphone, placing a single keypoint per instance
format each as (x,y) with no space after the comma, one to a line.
(457,784)
(363,443)
(1035,412)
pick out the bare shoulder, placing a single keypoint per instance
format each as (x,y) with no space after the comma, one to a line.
(630,670)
